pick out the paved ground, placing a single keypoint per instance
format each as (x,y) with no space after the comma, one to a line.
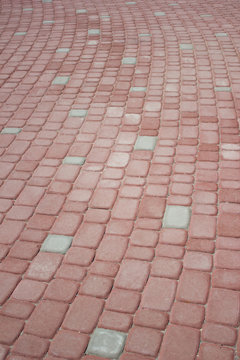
(120,191)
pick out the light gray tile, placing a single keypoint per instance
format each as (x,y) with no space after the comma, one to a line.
(223,88)
(130,2)
(221,34)
(28,9)
(93,32)
(186,46)
(11,130)
(56,243)
(106,343)
(129,60)
(159,13)
(61,80)
(62,50)
(206,15)
(176,217)
(138,88)
(144,35)
(74,160)
(81,11)
(20,33)
(46,22)
(145,143)
(46,1)
(77,113)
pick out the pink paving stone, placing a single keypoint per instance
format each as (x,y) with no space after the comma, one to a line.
(179,342)
(10,329)
(44,266)
(67,224)
(173,236)
(68,344)
(202,226)
(193,286)
(11,189)
(229,224)
(132,275)
(79,256)
(124,301)
(125,209)
(166,267)
(17,309)
(187,314)
(150,345)
(97,286)
(46,318)
(223,307)
(197,261)
(51,204)
(83,314)
(215,352)
(103,198)
(159,294)
(29,290)
(115,321)
(29,345)
(152,207)
(151,318)
(219,334)
(141,237)
(89,235)
(10,231)
(118,160)
(112,248)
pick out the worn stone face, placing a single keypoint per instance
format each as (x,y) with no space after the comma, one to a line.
(56,243)
(106,343)
(176,217)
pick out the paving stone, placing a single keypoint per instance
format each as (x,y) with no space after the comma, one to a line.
(145,143)
(62,50)
(11,130)
(176,217)
(186,46)
(61,80)
(28,9)
(138,88)
(106,343)
(143,35)
(56,243)
(93,32)
(48,21)
(223,88)
(206,15)
(77,113)
(81,11)
(221,34)
(46,1)
(129,61)
(130,2)
(20,33)
(159,13)
(74,160)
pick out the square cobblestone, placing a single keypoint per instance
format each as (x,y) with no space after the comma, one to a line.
(74,160)
(106,343)
(223,88)
(77,113)
(177,217)
(138,88)
(56,244)
(20,33)
(145,143)
(11,131)
(159,13)
(81,11)
(129,60)
(93,32)
(61,80)
(186,46)
(221,34)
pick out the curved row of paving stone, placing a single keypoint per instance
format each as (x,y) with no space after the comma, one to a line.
(86,163)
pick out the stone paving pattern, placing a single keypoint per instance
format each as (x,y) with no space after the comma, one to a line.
(119,180)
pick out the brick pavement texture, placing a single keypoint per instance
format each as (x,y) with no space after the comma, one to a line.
(119,180)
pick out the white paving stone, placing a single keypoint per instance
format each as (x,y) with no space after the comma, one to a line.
(20,33)
(62,50)
(159,13)
(74,160)
(186,46)
(81,11)
(11,130)
(78,113)
(221,34)
(129,60)
(145,143)
(223,88)
(106,343)
(176,217)
(61,80)
(138,88)
(93,32)
(56,243)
